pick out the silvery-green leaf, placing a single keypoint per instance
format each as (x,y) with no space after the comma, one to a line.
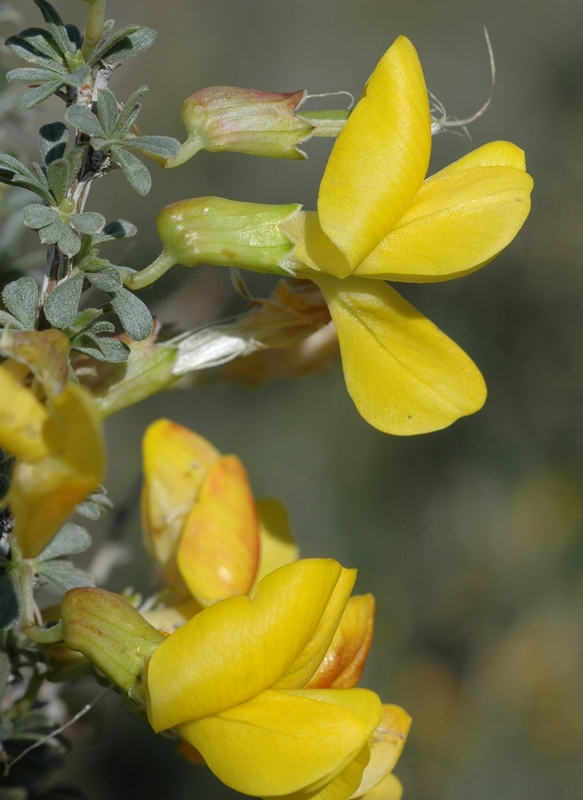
(41,176)
(83,119)
(82,320)
(8,320)
(62,303)
(56,27)
(128,114)
(33,97)
(64,574)
(164,146)
(15,173)
(52,141)
(59,232)
(36,216)
(136,173)
(102,326)
(117,229)
(10,598)
(59,178)
(35,45)
(107,280)
(78,77)
(134,315)
(89,222)
(69,242)
(21,298)
(107,109)
(33,74)
(75,158)
(128,42)
(92,263)
(101,348)
(71,539)
(95,506)
(74,35)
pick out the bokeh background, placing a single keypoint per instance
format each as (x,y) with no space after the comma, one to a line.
(470,538)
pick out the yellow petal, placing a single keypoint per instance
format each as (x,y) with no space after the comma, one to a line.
(22,419)
(343,664)
(339,788)
(388,789)
(301,670)
(386,745)
(281,742)
(380,158)
(237,648)
(404,375)
(312,248)
(459,220)
(42,495)
(218,551)
(492,154)
(46,353)
(277,542)
(175,461)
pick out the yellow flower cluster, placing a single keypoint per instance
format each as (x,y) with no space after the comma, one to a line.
(259,681)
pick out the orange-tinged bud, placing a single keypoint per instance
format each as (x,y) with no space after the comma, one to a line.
(344,662)
(218,551)
(175,462)
(240,120)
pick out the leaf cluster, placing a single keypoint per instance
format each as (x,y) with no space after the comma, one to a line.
(57,58)
(109,130)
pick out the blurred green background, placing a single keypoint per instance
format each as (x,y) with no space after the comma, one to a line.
(470,538)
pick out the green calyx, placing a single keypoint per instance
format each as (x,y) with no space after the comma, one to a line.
(111,633)
(228,233)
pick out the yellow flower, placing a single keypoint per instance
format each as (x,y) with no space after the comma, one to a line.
(377,218)
(58,453)
(234,682)
(202,525)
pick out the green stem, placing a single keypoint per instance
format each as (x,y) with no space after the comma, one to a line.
(146,276)
(188,149)
(29,626)
(326,123)
(44,635)
(94,29)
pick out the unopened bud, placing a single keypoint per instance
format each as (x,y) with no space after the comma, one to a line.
(227,233)
(227,118)
(111,633)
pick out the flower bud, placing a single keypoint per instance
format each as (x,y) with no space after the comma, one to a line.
(248,121)
(111,633)
(226,232)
